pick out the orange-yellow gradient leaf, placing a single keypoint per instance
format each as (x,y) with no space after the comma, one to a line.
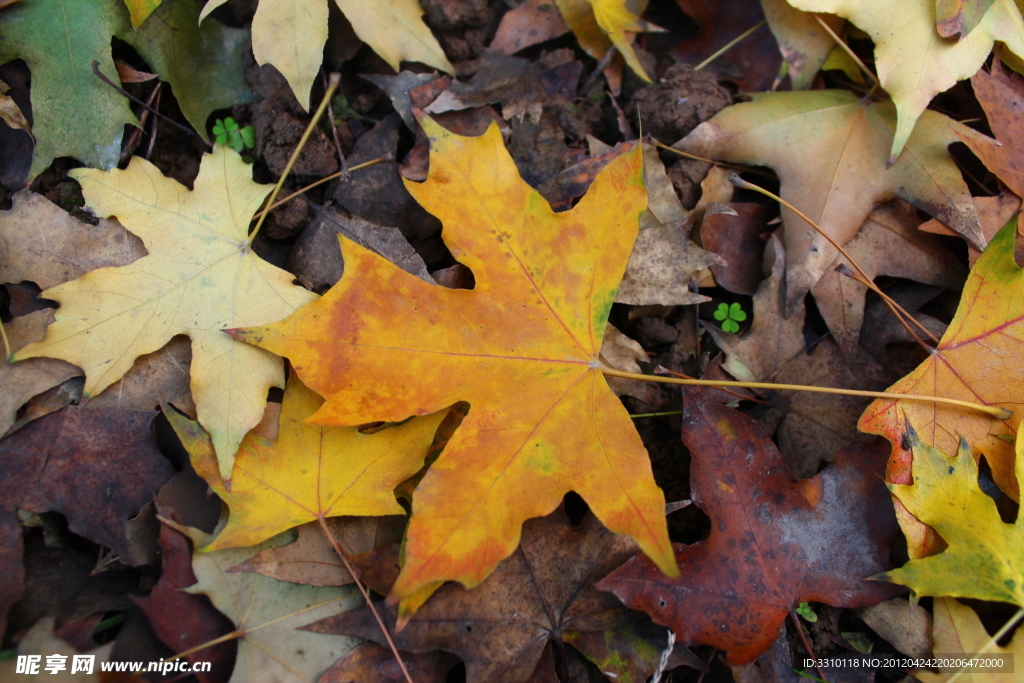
(521,348)
(979,360)
(309,472)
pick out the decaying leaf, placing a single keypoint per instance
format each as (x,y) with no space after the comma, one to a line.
(889,243)
(804,44)
(774,542)
(10,112)
(993,212)
(847,138)
(308,473)
(199,277)
(532,22)
(914,61)
(181,620)
(68,462)
(541,592)
(974,361)
(372,663)
(622,353)
(268,615)
(521,348)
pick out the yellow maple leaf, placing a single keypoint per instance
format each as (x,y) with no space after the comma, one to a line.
(200,277)
(291,34)
(600,24)
(914,62)
(521,348)
(308,472)
(984,558)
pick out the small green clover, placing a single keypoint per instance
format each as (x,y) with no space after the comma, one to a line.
(227,132)
(730,316)
(803,609)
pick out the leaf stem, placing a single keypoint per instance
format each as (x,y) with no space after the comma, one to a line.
(807,644)
(7,343)
(307,188)
(335,79)
(867,282)
(994,411)
(723,164)
(846,48)
(670,412)
(366,596)
(730,45)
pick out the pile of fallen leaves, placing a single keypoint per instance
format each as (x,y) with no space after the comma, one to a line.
(388,395)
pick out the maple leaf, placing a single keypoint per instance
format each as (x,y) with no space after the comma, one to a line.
(976,361)
(66,462)
(846,137)
(267,614)
(1002,98)
(199,277)
(915,63)
(983,559)
(543,591)
(203,66)
(521,348)
(292,35)
(774,542)
(308,473)
(601,24)
(803,43)
(957,629)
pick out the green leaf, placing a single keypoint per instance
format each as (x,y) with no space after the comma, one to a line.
(736,312)
(731,326)
(220,132)
(807,612)
(78,115)
(248,136)
(722,312)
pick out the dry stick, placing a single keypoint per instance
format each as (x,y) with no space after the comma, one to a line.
(334,130)
(333,85)
(994,411)
(730,45)
(843,269)
(807,644)
(743,184)
(366,596)
(7,343)
(136,100)
(846,48)
(307,188)
(1014,620)
(129,147)
(152,132)
(598,70)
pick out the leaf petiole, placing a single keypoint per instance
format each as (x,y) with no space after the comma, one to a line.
(994,411)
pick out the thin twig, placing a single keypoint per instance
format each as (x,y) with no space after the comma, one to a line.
(741,183)
(136,100)
(807,644)
(723,164)
(129,147)
(153,128)
(334,130)
(994,411)
(307,188)
(730,45)
(846,48)
(366,596)
(602,64)
(333,85)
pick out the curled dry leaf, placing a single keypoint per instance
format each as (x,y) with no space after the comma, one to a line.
(774,542)
(1002,97)
(521,348)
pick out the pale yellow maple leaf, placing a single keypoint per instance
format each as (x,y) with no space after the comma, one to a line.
(914,62)
(290,34)
(199,278)
(959,631)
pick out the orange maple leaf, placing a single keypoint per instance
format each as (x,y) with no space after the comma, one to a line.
(977,359)
(521,348)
